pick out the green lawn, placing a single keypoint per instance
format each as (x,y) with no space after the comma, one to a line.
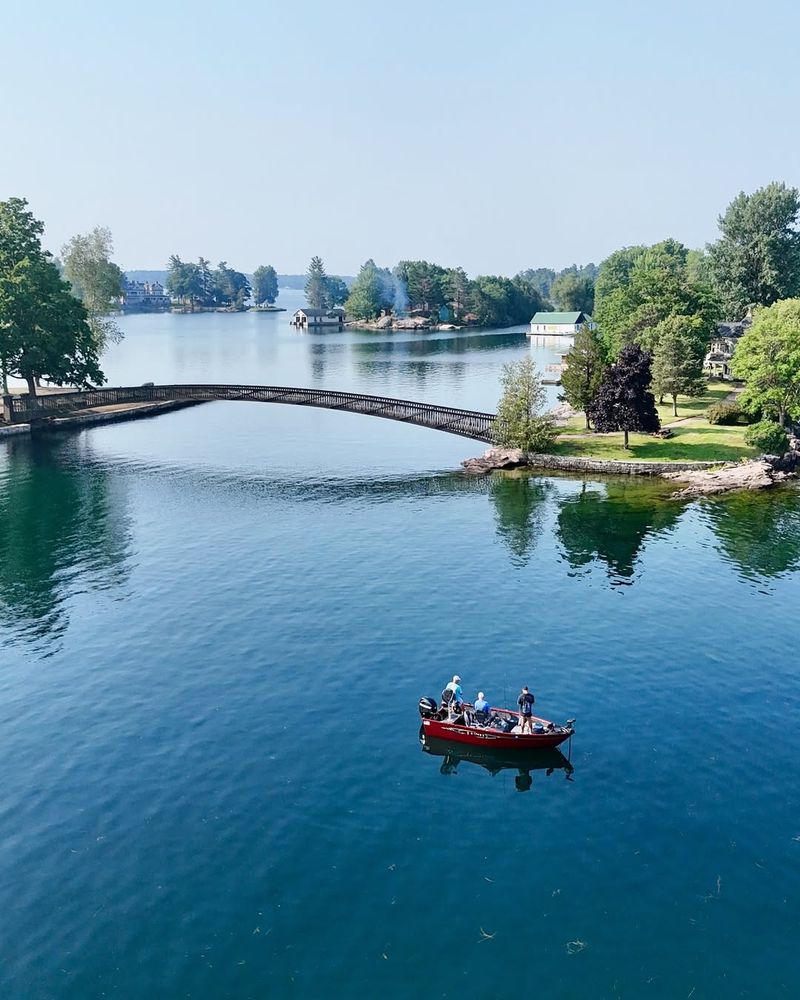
(715,393)
(694,443)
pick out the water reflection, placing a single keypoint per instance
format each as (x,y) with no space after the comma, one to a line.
(520,505)
(494,761)
(63,529)
(427,345)
(609,523)
(758,532)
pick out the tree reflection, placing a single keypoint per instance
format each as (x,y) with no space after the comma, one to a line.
(62,527)
(519,503)
(759,532)
(610,522)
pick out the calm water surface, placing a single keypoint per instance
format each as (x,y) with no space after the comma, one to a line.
(215,629)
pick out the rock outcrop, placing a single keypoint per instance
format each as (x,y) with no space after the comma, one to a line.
(495,458)
(758,474)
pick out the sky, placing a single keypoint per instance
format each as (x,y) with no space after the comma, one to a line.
(495,136)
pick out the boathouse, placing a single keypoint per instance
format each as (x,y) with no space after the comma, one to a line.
(318,317)
(559,324)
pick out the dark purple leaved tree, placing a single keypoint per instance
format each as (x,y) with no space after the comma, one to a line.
(623,401)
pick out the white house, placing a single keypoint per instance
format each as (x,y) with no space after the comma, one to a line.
(559,324)
(318,317)
(723,344)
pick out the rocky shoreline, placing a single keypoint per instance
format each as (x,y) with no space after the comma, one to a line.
(391,323)
(700,478)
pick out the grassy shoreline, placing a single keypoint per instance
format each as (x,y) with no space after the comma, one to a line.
(693,437)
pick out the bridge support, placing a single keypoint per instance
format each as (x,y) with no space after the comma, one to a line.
(8,411)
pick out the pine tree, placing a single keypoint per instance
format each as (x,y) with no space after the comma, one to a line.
(624,402)
(585,365)
(317,284)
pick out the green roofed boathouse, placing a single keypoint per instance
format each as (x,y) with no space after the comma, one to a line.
(559,324)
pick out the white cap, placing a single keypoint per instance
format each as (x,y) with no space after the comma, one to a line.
(480,695)
(456,678)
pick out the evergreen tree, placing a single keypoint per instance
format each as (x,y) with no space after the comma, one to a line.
(519,423)
(678,360)
(231,288)
(316,284)
(623,401)
(585,365)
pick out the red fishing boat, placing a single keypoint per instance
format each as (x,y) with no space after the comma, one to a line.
(499,727)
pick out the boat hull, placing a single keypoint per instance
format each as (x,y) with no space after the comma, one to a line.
(479,737)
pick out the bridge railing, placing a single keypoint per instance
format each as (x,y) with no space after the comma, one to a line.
(466,423)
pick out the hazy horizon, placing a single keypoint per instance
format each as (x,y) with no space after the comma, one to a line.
(495,138)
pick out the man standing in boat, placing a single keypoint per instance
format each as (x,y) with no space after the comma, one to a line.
(455,686)
(525,702)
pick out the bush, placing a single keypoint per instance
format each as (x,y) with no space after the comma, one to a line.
(727,414)
(769,437)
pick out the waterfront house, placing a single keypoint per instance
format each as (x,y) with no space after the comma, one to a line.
(318,317)
(559,324)
(143,296)
(723,344)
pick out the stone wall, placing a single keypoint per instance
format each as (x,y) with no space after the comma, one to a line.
(568,463)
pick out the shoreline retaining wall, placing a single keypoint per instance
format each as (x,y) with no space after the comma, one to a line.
(616,467)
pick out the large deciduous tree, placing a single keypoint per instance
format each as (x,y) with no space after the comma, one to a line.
(678,359)
(768,358)
(585,364)
(95,279)
(519,422)
(265,285)
(371,292)
(336,291)
(638,287)
(573,293)
(317,284)
(623,401)
(756,261)
(44,329)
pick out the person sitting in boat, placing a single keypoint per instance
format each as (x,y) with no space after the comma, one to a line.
(456,697)
(525,702)
(482,709)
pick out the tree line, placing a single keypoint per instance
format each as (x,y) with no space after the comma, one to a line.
(430,290)
(197,285)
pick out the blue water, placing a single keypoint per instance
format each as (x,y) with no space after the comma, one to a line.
(215,629)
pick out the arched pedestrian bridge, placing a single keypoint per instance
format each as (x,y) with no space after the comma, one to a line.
(466,423)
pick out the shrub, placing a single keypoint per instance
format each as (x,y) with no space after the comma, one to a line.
(769,437)
(726,414)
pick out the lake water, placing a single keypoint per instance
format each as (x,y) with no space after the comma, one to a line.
(215,629)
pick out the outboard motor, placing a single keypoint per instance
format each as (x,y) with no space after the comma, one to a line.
(427,708)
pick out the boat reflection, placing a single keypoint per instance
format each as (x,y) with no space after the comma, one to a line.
(495,761)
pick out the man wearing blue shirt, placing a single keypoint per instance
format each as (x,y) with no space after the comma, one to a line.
(481,704)
(455,687)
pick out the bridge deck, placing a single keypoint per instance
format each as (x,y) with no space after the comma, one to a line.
(466,423)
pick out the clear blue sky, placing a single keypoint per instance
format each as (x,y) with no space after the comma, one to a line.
(496,135)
